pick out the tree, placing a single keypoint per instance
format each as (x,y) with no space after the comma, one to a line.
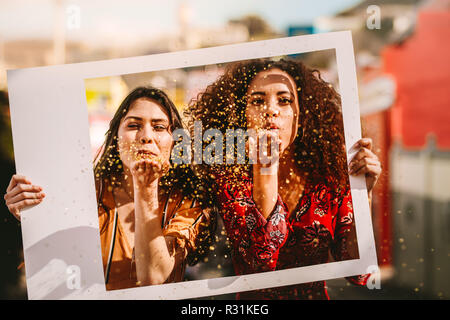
(256,25)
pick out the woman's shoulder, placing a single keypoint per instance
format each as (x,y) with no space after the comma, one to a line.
(189,220)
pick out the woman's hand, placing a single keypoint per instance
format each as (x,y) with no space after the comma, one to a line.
(20,194)
(365,162)
(265,151)
(147,172)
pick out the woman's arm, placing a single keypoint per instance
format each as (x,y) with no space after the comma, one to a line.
(154,262)
(265,190)
(265,175)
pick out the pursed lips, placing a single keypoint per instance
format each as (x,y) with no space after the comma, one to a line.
(271,126)
(146,152)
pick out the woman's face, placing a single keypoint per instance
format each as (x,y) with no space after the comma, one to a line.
(272,104)
(144,132)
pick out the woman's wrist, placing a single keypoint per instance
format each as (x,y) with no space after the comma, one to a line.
(265,191)
(147,193)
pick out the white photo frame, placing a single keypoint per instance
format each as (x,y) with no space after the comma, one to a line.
(50,126)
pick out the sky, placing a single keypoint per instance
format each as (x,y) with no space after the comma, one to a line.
(25,19)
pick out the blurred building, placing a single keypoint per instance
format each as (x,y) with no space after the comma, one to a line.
(404,76)
(420,151)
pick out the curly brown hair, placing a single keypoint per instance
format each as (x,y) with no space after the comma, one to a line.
(319,147)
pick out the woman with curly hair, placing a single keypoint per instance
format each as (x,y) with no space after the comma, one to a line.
(152,223)
(301,210)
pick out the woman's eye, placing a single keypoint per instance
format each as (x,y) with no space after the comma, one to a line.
(160,128)
(257,102)
(133,126)
(285,101)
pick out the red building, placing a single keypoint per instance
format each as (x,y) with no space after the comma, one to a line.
(421,68)
(412,198)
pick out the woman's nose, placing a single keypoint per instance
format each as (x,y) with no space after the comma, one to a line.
(147,135)
(272,109)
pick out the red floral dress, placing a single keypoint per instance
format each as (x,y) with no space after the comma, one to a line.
(319,224)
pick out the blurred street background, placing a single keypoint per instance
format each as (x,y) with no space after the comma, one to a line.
(402,52)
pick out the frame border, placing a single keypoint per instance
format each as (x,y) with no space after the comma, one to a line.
(51,143)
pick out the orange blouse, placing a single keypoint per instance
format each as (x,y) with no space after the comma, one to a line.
(189,224)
